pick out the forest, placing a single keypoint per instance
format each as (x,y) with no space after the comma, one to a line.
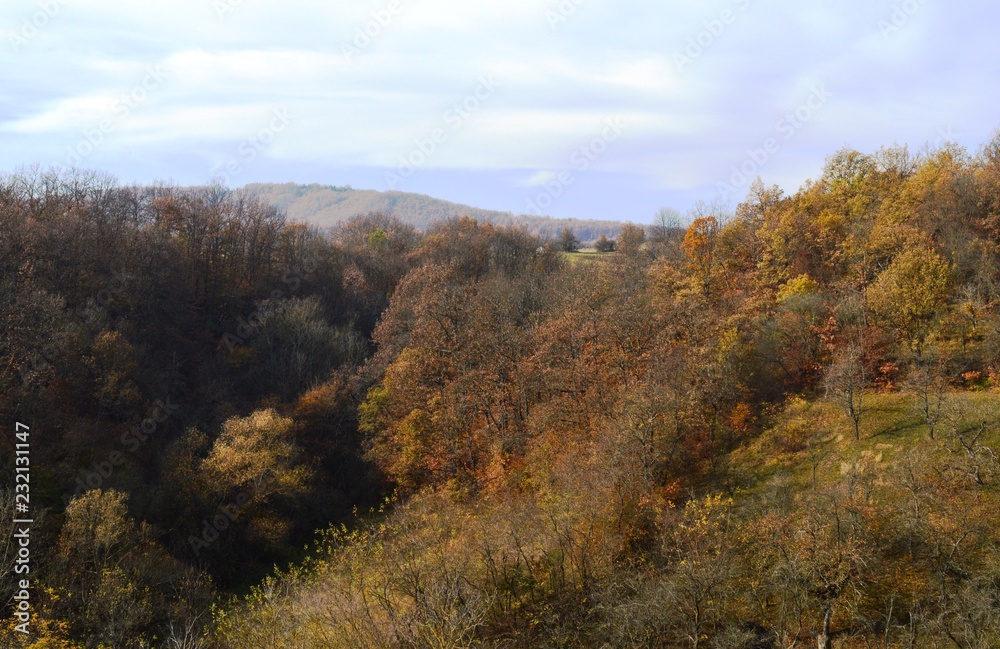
(775,427)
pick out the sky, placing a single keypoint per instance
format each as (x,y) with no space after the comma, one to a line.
(570,108)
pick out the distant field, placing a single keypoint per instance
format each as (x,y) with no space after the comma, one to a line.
(588,256)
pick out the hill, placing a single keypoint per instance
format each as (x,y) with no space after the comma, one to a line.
(778,430)
(328,205)
(881,519)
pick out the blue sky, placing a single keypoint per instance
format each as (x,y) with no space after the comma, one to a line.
(582,108)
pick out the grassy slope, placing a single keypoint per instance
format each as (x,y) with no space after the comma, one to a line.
(430,537)
(817,435)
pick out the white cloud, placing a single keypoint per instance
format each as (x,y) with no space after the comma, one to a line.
(558,84)
(538,179)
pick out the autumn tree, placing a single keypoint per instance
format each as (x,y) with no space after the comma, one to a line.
(790,341)
(246,490)
(296,347)
(910,293)
(115,582)
(631,239)
(255,455)
(699,246)
(829,550)
(699,546)
(377,250)
(568,242)
(604,244)
(477,249)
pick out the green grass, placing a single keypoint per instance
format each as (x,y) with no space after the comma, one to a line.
(817,434)
(587,256)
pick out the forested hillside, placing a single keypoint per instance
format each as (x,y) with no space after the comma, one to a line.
(776,429)
(328,205)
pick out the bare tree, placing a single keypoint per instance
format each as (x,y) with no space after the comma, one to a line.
(666,223)
(927,382)
(845,384)
(965,435)
(719,209)
(187,634)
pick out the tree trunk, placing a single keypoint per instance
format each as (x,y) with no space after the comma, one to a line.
(823,639)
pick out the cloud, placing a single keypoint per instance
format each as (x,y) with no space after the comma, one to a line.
(560,81)
(538,179)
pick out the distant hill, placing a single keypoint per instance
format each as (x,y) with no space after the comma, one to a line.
(328,205)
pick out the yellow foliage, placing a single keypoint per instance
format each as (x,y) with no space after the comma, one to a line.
(911,291)
(800,285)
